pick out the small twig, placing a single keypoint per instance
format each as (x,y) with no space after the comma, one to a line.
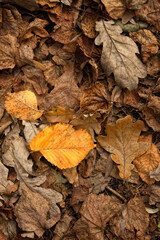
(116,193)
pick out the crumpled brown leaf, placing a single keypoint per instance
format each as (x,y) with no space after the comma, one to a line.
(66,92)
(117,8)
(150,12)
(147,162)
(133,222)
(3,179)
(17,156)
(153,66)
(122,142)
(96,211)
(155,173)
(118,55)
(95,99)
(149,43)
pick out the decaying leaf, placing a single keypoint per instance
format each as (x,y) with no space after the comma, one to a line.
(147,162)
(23,105)
(62,146)
(133,222)
(122,142)
(96,211)
(59,114)
(153,66)
(95,99)
(149,43)
(118,55)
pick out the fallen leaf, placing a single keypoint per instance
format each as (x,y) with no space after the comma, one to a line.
(95,99)
(3,179)
(118,55)
(117,8)
(147,162)
(151,118)
(59,114)
(62,146)
(148,12)
(90,123)
(154,103)
(22,105)
(122,142)
(88,25)
(153,66)
(72,175)
(155,173)
(96,211)
(66,92)
(154,194)
(149,43)
(133,222)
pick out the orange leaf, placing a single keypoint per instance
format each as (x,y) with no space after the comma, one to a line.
(22,105)
(122,142)
(62,146)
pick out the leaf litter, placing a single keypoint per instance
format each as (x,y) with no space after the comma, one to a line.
(79,120)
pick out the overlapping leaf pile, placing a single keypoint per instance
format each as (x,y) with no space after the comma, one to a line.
(79,119)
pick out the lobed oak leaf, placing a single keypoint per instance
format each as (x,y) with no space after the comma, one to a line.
(22,105)
(62,146)
(118,55)
(122,142)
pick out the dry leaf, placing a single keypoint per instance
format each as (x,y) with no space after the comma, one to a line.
(72,175)
(133,222)
(88,25)
(96,211)
(59,114)
(122,142)
(147,163)
(95,99)
(118,55)
(62,146)
(153,65)
(150,13)
(66,92)
(117,8)
(155,173)
(23,105)
(149,43)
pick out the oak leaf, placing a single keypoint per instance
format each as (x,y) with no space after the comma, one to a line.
(118,55)
(122,142)
(23,105)
(62,146)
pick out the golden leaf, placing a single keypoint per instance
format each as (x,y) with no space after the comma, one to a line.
(122,142)
(62,146)
(23,105)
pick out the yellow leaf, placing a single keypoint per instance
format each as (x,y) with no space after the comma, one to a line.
(62,146)
(22,105)
(122,142)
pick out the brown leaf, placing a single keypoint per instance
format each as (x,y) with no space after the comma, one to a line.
(72,176)
(33,212)
(117,8)
(151,119)
(90,123)
(3,179)
(118,55)
(95,99)
(133,222)
(153,66)
(154,194)
(88,25)
(149,43)
(59,114)
(149,12)
(154,103)
(96,211)
(155,173)
(66,92)
(147,162)
(122,142)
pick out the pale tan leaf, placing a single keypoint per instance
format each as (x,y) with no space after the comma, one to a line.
(119,55)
